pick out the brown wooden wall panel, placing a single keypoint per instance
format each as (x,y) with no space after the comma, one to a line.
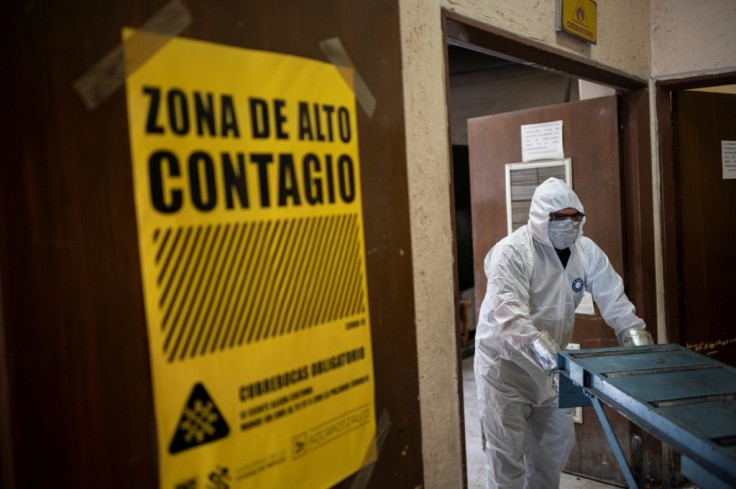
(639,276)
(706,223)
(78,371)
(668,215)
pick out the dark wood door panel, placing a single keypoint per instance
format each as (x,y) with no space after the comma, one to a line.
(77,357)
(706,223)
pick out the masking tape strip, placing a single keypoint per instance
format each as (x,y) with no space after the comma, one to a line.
(138,48)
(364,475)
(336,55)
(108,74)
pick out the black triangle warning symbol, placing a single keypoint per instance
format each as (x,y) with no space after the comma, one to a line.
(201,422)
(580,16)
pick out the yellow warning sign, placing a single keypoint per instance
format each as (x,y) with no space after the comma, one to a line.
(579,18)
(250,228)
(200,422)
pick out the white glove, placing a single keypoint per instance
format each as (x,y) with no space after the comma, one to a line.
(543,351)
(635,337)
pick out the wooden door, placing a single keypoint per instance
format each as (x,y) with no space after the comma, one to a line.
(76,407)
(706,223)
(591,139)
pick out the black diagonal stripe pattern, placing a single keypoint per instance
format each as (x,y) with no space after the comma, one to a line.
(222,286)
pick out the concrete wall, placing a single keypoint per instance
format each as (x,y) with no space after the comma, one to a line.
(692,37)
(623,28)
(623,45)
(429,198)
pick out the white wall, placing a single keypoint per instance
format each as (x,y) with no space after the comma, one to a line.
(590,90)
(692,37)
(623,45)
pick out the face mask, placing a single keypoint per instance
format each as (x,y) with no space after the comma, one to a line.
(563,233)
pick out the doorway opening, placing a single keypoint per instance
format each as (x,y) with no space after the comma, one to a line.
(479,85)
(483,85)
(492,72)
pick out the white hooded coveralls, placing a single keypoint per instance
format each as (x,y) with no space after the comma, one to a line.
(528,438)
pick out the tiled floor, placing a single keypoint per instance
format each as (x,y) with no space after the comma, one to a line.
(473,444)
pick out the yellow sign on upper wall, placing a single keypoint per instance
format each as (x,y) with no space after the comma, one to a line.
(579,18)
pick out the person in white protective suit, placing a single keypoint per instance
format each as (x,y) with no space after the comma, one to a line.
(536,279)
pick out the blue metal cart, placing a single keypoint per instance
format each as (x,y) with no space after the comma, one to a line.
(681,397)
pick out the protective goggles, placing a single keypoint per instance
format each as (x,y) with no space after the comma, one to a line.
(556,216)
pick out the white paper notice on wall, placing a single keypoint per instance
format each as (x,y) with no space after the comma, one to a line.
(728,158)
(586,305)
(542,141)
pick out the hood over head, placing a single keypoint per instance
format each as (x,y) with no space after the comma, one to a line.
(552,195)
